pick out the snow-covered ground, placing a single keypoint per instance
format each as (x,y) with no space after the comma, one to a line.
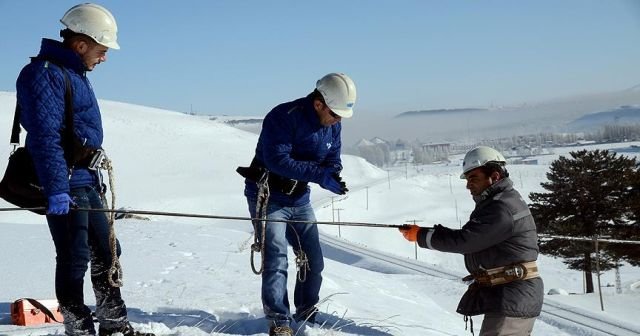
(186,276)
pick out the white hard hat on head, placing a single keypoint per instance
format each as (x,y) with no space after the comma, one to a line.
(339,93)
(479,157)
(94,21)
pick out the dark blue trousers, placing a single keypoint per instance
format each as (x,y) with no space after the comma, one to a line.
(81,237)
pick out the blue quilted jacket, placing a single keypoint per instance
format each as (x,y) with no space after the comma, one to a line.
(295,145)
(40,90)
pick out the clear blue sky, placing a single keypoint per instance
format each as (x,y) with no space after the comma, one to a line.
(244,57)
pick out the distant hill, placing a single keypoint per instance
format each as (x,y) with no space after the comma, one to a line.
(439,112)
(634,88)
(469,124)
(252,124)
(622,115)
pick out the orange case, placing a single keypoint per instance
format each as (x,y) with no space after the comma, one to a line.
(24,313)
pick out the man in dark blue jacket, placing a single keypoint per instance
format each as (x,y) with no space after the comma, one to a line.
(79,236)
(299,143)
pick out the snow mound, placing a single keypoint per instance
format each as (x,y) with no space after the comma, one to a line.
(557,291)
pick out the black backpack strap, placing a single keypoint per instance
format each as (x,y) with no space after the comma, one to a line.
(15,129)
(67,137)
(68,113)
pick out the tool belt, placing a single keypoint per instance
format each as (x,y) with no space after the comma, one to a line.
(504,274)
(278,183)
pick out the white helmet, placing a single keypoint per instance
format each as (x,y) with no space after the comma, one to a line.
(94,21)
(480,156)
(339,93)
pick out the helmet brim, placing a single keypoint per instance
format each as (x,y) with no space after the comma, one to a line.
(110,45)
(343,113)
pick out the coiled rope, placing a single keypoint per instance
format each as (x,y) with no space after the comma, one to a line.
(260,226)
(115,271)
(260,231)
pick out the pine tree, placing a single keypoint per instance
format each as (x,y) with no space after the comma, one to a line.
(588,197)
(629,252)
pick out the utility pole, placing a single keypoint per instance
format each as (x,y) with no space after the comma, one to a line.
(455,202)
(406,170)
(339,231)
(333,219)
(367,189)
(618,281)
(414,221)
(521,185)
(389,177)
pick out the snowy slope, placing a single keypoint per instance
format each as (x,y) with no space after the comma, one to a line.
(192,276)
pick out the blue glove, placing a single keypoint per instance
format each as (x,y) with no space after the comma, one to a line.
(59,204)
(332,181)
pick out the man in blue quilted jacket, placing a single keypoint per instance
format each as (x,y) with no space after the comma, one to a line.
(299,143)
(74,180)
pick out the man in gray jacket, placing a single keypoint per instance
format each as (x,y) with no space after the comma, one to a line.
(500,248)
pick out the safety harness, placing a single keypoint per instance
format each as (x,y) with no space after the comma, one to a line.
(504,274)
(500,276)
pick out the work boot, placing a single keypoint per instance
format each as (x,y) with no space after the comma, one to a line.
(126,330)
(280,331)
(77,320)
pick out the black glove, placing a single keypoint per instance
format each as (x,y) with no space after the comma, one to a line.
(343,185)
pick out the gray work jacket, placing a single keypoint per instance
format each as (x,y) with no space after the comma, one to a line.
(500,232)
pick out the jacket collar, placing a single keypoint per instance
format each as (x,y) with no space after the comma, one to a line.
(494,189)
(56,52)
(310,111)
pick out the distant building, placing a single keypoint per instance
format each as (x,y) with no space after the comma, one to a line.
(529,161)
(400,145)
(379,141)
(437,151)
(376,151)
(523,150)
(364,143)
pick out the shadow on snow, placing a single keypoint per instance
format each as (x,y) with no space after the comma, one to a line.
(226,323)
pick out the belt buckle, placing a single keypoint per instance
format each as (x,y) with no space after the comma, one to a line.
(96,160)
(517,271)
(292,189)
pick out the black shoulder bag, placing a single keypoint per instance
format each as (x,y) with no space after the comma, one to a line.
(20,185)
